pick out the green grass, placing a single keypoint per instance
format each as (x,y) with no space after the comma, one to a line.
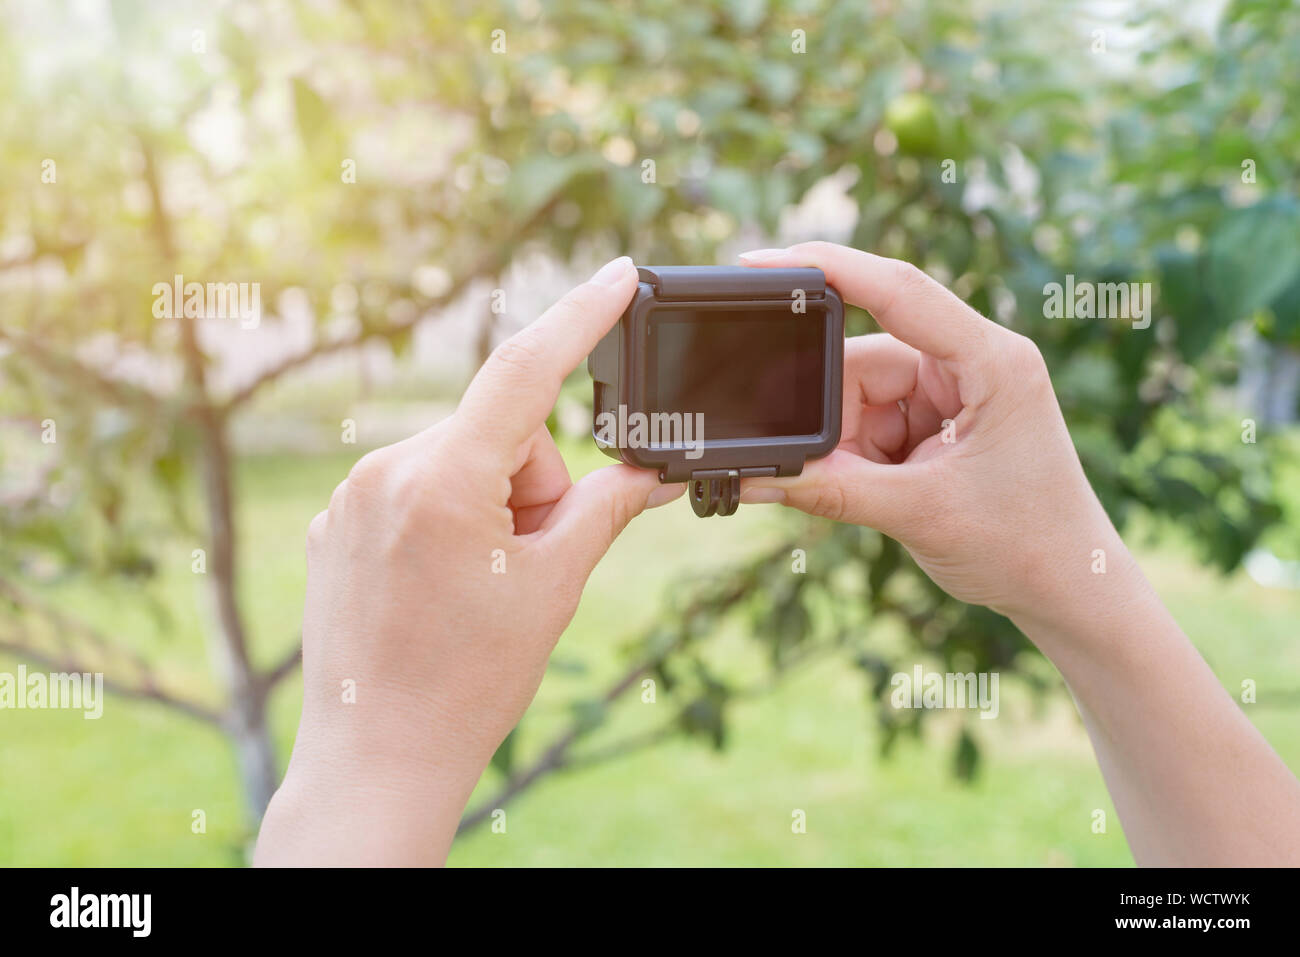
(122,790)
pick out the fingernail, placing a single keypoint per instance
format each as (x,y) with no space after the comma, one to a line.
(612,271)
(762,496)
(664,494)
(759,255)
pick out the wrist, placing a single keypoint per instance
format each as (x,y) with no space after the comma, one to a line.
(331,814)
(1098,619)
(1089,586)
(369,795)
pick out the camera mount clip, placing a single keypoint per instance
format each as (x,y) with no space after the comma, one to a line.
(714,492)
(717,491)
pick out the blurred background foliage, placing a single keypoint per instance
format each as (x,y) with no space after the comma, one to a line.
(379,167)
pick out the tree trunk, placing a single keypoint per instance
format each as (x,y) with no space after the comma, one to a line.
(247,692)
(256,754)
(246,708)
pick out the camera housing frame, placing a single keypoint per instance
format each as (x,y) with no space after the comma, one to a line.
(618,367)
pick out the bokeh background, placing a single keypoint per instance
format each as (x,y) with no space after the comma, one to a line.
(410,182)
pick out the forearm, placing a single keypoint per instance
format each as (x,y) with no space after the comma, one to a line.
(1193,780)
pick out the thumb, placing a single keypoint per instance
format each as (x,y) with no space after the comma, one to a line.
(591,514)
(847,488)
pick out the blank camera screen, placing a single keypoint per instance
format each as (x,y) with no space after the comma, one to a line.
(750,373)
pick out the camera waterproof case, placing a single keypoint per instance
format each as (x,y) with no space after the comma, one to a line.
(718,373)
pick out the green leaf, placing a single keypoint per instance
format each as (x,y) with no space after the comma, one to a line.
(886,563)
(589,713)
(966,757)
(503,759)
(1185,295)
(1254,256)
(537,180)
(635,201)
(733,191)
(313,115)
(704,716)
(1286,313)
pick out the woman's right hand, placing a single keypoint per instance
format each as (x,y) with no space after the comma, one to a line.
(952,442)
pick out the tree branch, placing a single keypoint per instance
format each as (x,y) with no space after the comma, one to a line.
(493,261)
(145,687)
(286,667)
(146,692)
(554,758)
(330,346)
(59,250)
(558,756)
(74,370)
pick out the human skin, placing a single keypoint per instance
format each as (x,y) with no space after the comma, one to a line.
(446,655)
(438,582)
(976,475)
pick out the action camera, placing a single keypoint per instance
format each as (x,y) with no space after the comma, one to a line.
(718,373)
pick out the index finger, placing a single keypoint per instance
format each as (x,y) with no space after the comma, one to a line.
(905,301)
(514,391)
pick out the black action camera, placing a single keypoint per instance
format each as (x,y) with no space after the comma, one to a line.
(718,373)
